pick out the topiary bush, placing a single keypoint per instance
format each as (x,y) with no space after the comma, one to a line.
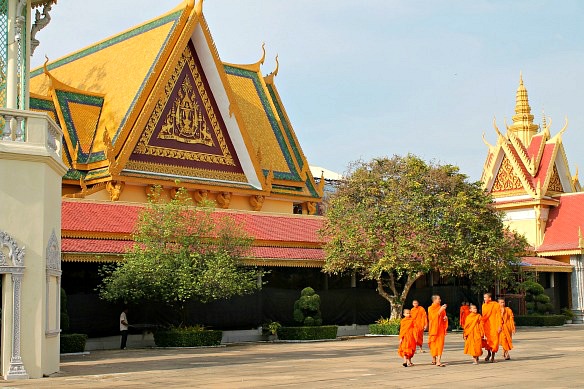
(187,337)
(73,343)
(308,333)
(540,320)
(537,302)
(307,308)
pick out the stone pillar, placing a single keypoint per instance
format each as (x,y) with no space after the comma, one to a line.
(30,205)
(577,281)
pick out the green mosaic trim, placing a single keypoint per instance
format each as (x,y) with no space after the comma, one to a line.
(311,188)
(64,98)
(293,175)
(287,127)
(73,174)
(43,105)
(98,173)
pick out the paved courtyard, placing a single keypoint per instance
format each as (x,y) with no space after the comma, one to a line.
(542,358)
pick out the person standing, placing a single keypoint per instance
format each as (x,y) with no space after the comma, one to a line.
(421,319)
(508,329)
(437,327)
(473,335)
(491,313)
(124,327)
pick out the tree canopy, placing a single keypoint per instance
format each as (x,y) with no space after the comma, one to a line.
(394,219)
(181,253)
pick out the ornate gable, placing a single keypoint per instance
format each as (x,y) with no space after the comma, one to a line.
(506,181)
(185,134)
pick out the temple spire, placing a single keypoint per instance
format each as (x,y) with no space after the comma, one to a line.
(523,125)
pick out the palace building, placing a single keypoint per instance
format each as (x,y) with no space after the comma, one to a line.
(155,105)
(527,173)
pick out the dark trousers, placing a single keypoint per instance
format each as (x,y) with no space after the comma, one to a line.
(124,339)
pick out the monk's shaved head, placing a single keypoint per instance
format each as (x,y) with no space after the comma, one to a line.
(435,297)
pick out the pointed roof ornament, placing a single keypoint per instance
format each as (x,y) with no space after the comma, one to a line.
(198,7)
(523,125)
(254,67)
(269,79)
(543,120)
(275,72)
(320,188)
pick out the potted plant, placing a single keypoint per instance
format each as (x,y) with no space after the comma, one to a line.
(568,314)
(273,328)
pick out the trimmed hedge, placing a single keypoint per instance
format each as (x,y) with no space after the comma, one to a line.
(73,343)
(540,320)
(187,337)
(384,329)
(308,333)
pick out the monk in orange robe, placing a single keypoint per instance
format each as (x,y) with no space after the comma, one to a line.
(508,329)
(464,311)
(492,324)
(407,338)
(473,334)
(419,315)
(437,327)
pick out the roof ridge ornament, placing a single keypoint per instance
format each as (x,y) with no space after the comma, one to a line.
(198,6)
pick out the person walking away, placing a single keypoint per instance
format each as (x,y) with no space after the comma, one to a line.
(124,327)
(508,329)
(464,312)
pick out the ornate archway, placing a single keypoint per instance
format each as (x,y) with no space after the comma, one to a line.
(12,263)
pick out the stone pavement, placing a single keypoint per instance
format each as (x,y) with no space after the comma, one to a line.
(542,358)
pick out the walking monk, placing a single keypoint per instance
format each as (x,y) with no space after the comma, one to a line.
(508,329)
(437,327)
(464,311)
(473,335)
(491,313)
(407,338)
(419,315)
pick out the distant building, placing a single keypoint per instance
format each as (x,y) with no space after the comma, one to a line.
(527,173)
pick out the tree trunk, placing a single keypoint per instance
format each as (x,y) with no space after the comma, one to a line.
(397,300)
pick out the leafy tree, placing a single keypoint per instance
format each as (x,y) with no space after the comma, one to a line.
(181,253)
(395,219)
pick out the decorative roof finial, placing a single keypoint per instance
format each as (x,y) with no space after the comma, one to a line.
(523,125)
(199,8)
(263,53)
(543,121)
(275,72)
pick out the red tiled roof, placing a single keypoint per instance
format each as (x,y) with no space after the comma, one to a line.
(541,261)
(98,246)
(120,218)
(561,231)
(545,165)
(534,145)
(110,246)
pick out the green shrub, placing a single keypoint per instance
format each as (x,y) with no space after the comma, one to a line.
(541,298)
(308,333)
(532,287)
(568,313)
(187,337)
(537,301)
(307,308)
(73,343)
(540,320)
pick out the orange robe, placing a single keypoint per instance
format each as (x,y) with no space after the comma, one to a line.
(407,335)
(419,315)
(464,312)
(437,327)
(473,332)
(505,338)
(491,313)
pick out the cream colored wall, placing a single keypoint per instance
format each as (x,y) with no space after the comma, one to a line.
(30,206)
(526,227)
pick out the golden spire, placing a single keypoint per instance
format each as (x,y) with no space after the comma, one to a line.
(523,125)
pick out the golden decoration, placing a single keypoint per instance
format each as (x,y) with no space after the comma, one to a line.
(199,196)
(114,189)
(223,199)
(506,178)
(185,123)
(256,202)
(143,146)
(185,172)
(555,184)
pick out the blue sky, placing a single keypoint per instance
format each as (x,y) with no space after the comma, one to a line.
(369,78)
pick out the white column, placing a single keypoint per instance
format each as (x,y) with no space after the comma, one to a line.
(577,280)
(12,76)
(16,370)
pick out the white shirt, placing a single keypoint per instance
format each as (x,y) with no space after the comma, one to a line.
(123,317)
